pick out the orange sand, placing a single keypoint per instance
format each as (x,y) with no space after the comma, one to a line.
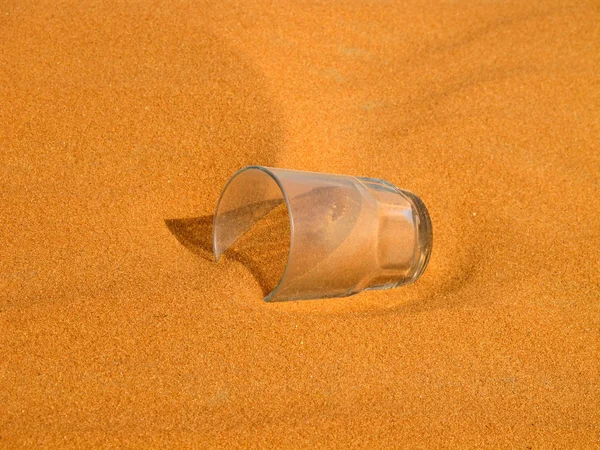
(115,117)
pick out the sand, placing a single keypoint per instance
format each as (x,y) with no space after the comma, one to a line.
(118,116)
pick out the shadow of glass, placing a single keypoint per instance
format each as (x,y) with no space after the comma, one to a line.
(263,250)
(194,233)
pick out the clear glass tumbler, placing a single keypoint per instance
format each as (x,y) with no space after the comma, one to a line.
(346,234)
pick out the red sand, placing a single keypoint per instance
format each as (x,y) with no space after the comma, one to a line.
(116,116)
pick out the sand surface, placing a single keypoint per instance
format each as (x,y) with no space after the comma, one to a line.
(118,116)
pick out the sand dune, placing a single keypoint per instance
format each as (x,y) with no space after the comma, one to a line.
(117,117)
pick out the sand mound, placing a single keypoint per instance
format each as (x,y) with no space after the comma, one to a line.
(116,118)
